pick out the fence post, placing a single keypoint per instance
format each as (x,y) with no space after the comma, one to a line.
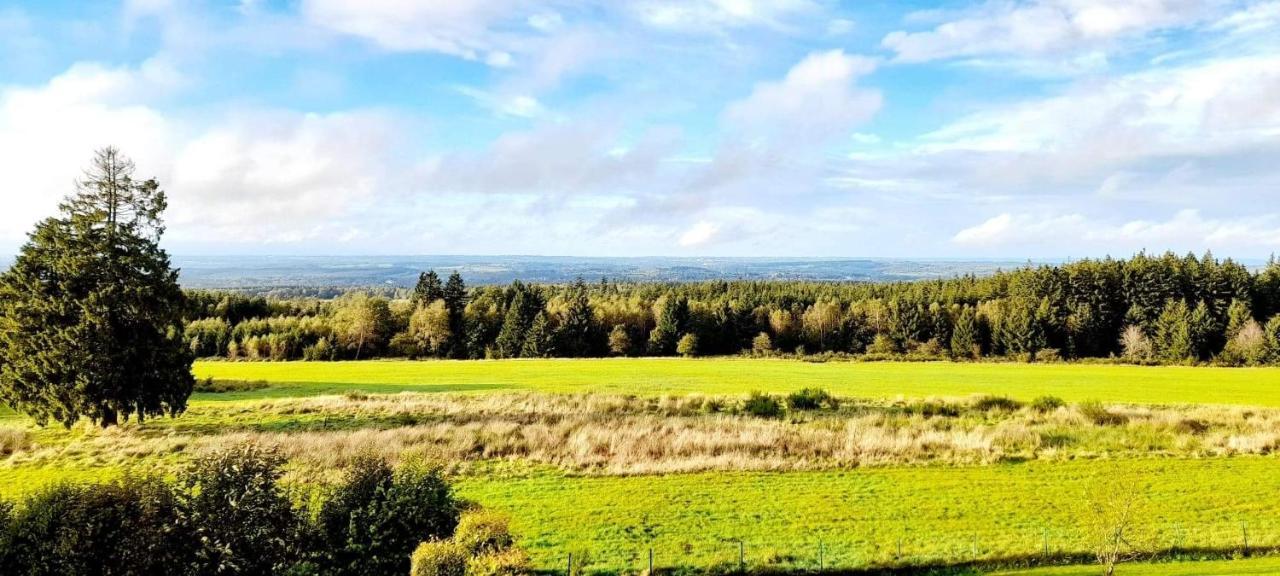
(821,563)
(651,562)
(1045,534)
(899,556)
(973,547)
(742,563)
(1244,533)
(570,572)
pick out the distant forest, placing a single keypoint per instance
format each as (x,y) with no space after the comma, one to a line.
(1146,309)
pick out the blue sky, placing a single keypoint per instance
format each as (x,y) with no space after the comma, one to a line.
(1050,128)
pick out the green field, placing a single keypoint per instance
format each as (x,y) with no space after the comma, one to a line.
(926,514)
(1216,568)
(1073,382)
(940,513)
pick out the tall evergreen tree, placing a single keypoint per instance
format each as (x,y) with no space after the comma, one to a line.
(577,332)
(455,301)
(673,314)
(964,335)
(91,312)
(538,341)
(428,290)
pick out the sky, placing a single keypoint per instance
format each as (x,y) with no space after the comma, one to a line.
(1001,128)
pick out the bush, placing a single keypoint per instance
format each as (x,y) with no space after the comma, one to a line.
(211,386)
(1048,355)
(1095,412)
(882,344)
(242,519)
(989,403)
(762,406)
(1047,403)
(509,562)
(438,558)
(688,345)
(372,522)
(762,344)
(130,526)
(811,399)
(482,532)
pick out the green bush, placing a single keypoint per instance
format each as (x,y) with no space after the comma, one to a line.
(482,532)
(990,403)
(372,522)
(242,519)
(211,386)
(508,562)
(811,399)
(762,406)
(129,526)
(438,558)
(1095,412)
(1047,403)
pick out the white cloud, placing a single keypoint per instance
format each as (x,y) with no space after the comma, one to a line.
(716,15)
(462,28)
(1041,27)
(255,176)
(818,99)
(1186,230)
(699,234)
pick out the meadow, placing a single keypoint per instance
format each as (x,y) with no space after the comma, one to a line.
(919,464)
(1073,382)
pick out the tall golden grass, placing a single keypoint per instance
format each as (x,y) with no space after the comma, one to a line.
(619,434)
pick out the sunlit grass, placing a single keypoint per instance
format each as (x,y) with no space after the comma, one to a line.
(1073,382)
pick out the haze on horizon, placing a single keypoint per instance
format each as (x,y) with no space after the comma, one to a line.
(967,129)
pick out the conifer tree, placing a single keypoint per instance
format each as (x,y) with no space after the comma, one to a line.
(91,312)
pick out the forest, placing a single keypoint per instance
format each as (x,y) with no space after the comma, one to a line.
(1144,309)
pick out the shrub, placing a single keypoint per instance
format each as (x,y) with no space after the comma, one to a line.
(242,519)
(688,345)
(438,558)
(130,526)
(482,532)
(762,406)
(989,403)
(811,399)
(372,522)
(762,344)
(211,386)
(1048,355)
(1095,412)
(1046,403)
(882,344)
(1135,344)
(508,562)
(13,440)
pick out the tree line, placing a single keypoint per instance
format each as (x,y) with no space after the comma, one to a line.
(1148,308)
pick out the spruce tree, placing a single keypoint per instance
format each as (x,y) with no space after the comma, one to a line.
(428,290)
(91,311)
(964,335)
(538,339)
(577,332)
(455,301)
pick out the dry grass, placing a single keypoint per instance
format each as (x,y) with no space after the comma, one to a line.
(618,434)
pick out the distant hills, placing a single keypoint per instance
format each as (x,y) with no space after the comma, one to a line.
(349,271)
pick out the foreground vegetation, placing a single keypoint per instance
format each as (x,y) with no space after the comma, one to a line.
(878,480)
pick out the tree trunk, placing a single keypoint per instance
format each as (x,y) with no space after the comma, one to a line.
(109,418)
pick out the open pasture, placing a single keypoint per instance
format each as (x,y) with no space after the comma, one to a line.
(649,376)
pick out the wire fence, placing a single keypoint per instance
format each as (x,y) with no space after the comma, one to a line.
(913,552)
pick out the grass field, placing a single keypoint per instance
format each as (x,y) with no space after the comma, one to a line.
(1073,382)
(1216,568)
(940,513)
(558,463)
